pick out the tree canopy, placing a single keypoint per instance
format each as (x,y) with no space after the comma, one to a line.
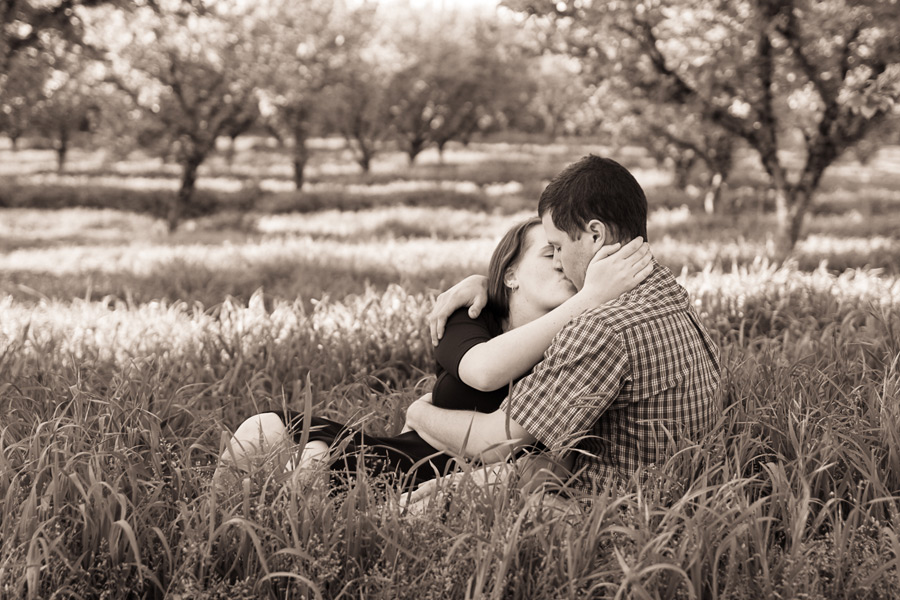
(800,75)
(799,82)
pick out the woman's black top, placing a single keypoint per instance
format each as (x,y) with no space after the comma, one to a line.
(408,455)
(461,334)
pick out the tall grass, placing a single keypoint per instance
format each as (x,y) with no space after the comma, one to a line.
(114,414)
(115,404)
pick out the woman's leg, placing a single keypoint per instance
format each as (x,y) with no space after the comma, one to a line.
(264,438)
(257,439)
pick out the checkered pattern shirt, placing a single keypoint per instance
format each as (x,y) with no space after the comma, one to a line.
(620,381)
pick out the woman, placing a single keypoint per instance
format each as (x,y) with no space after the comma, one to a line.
(530,301)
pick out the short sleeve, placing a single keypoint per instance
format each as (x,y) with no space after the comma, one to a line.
(461,334)
(581,375)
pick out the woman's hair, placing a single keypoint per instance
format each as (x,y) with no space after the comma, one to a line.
(506,255)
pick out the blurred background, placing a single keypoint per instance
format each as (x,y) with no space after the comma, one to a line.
(192,150)
(212,208)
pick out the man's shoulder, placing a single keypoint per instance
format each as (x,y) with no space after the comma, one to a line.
(658,296)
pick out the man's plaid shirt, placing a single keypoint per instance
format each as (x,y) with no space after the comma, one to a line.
(621,380)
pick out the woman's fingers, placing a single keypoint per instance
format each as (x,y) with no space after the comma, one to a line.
(633,247)
(477,305)
(471,292)
(438,318)
(638,254)
(643,257)
(633,250)
(604,252)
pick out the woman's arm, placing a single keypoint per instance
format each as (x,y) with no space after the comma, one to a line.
(502,359)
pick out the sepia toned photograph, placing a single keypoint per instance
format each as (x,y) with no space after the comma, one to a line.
(450,299)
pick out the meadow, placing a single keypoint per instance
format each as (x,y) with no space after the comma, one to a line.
(127,354)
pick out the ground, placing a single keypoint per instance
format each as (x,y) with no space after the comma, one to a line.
(127,353)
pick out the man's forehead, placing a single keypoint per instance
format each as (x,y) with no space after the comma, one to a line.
(553,234)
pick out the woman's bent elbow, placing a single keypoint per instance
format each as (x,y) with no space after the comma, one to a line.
(480,379)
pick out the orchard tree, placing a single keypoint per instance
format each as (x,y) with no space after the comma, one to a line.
(358,106)
(455,73)
(559,93)
(189,68)
(695,149)
(769,72)
(496,85)
(68,106)
(21,94)
(700,153)
(30,31)
(27,24)
(302,48)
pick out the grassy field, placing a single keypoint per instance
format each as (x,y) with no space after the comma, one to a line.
(126,354)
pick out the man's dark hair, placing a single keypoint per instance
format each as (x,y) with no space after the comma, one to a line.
(596,188)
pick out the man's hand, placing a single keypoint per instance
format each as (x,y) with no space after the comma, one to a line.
(616,269)
(415,501)
(532,472)
(489,437)
(471,292)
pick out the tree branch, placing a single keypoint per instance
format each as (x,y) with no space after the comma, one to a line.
(845,57)
(790,31)
(680,91)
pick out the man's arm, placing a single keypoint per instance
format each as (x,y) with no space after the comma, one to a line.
(568,392)
(490,437)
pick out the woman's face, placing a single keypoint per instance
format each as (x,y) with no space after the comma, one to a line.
(535,280)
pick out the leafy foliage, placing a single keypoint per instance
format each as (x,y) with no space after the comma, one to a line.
(766,72)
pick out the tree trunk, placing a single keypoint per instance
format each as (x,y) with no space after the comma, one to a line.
(790,221)
(301,155)
(364,161)
(440,148)
(364,156)
(713,193)
(684,163)
(229,154)
(273,131)
(183,197)
(360,150)
(415,147)
(62,149)
(783,202)
(14,140)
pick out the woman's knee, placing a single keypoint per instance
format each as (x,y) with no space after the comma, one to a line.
(262,427)
(259,434)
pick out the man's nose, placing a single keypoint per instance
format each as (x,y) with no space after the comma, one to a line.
(557,262)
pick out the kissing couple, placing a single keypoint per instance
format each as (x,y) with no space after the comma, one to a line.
(578,354)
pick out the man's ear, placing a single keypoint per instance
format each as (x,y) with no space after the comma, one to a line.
(598,232)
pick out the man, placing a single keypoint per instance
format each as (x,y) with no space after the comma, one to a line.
(619,382)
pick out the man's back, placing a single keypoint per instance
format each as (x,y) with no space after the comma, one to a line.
(622,380)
